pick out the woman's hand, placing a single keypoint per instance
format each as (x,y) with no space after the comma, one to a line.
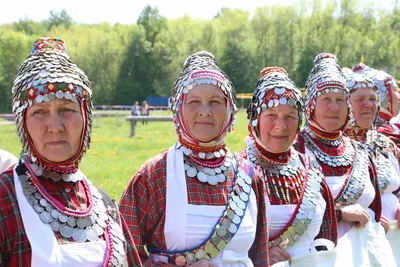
(276,254)
(202,263)
(355,213)
(385,223)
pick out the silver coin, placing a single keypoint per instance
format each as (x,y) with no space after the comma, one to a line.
(38,207)
(240,181)
(210,155)
(91,234)
(270,103)
(55,214)
(49,208)
(66,231)
(202,177)
(236,219)
(43,202)
(62,218)
(71,221)
(217,154)
(239,212)
(202,155)
(191,172)
(246,188)
(241,204)
(99,230)
(244,196)
(247,179)
(45,216)
(55,226)
(32,199)
(222,152)
(103,216)
(212,180)
(220,178)
(102,223)
(233,228)
(233,206)
(79,235)
(23,178)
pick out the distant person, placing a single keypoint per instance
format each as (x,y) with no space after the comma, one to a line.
(135,109)
(144,110)
(6,160)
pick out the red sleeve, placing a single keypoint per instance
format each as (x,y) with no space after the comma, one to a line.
(329,224)
(376,204)
(143,207)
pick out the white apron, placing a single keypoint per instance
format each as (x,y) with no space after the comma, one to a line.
(187,226)
(393,237)
(46,252)
(303,252)
(365,246)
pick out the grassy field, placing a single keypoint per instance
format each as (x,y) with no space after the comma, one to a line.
(114,157)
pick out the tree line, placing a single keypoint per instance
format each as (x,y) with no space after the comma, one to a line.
(130,62)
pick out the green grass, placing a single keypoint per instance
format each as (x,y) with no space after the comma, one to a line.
(114,157)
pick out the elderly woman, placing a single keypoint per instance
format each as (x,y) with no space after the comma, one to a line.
(192,204)
(300,207)
(388,100)
(346,165)
(365,103)
(50,213)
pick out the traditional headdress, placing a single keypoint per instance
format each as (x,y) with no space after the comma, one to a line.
(325,77)
(273,88)
(46,74)
(383,81)
(201,68)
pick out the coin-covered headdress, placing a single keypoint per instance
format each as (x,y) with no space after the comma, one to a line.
(325,77)
(201,68)
(274,88)
(48,73)
(384,82)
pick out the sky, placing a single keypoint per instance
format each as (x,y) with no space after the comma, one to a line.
(122,11)
(127,11)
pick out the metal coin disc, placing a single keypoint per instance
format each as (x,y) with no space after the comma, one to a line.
(66,231)
(71,221)
(91,234)
(46,217)
(55,226)
(79,235)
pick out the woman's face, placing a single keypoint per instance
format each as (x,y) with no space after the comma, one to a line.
(331,111)
(365,105)
(278,127)
(204,111)
(55,128)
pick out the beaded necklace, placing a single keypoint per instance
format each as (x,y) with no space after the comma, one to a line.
(285,180)
(214,170)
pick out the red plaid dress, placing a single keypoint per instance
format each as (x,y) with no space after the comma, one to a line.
(143,206)
(15,249)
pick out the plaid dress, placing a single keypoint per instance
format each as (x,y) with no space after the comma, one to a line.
(15,249)
(143,205)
